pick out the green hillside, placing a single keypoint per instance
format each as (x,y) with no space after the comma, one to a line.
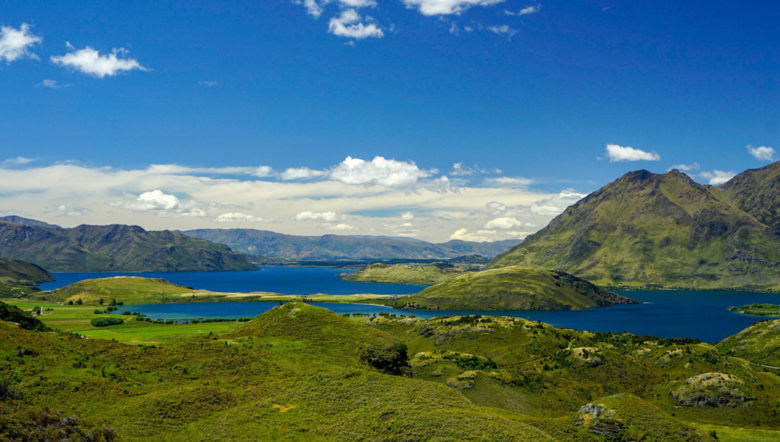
(404,274)
(511,288)
(758,343)
(19,278)
(657,230)
(300,372)
(114,248)
(125,289)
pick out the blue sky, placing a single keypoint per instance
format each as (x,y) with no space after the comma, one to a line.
(537,90)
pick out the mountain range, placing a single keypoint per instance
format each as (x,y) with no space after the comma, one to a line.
(113,248)
(341,247)
(665,230)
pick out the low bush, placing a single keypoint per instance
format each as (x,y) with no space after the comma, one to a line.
(105,322)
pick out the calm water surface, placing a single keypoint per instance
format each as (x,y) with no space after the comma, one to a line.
(667,313)
(277,279)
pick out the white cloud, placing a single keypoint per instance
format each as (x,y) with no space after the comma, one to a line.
(717,177)
(18,161)
(406,216)
(464,234)
(156,200)
(349,25)
(340,226)
(232,217)
(52,84)
(328,216)
(71,211)
(112,196)
(301,173)
(627,153)
(528,10)
(390,173)
(458,169)
(506,181)
(503,30)
(556,204)
(446,7)
(208,83)
(91,62)
(16,43)
(313,8)
(761,153)
(259,171)
(506,223)
(685,167)
(163,204)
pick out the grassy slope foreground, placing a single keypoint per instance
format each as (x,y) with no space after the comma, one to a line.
(511,288)
(302,373)
(759,343)
(114,248)
(648,229)
(296,372)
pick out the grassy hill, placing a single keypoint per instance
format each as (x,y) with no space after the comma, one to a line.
(759,343)
(657,230)
(299,372)
(18,278)
(404,274)
(344,247)
(114,248)
(511,288)
(125,289)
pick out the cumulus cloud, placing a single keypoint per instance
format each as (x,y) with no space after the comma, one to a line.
(717,177)
(481,235)
(506,223)
(301,173)
(406,216)
(328,216)
(446,7)
(163,204)
(91,62)
(51,84)
(71,211)
(390,173)
(761,153)
(528,10)
(349,24)
(617,153)
(685,167)
(16,43)
(232,217)
(556,204)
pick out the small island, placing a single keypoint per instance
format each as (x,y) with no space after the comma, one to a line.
(426,274)
(758,309)
(510,288)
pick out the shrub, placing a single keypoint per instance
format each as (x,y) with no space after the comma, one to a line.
(105,322)
(391,360)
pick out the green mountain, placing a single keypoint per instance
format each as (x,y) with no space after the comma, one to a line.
(344,247)
(114,248)
(757,192)
(759,343)
(662,230)
(511,288)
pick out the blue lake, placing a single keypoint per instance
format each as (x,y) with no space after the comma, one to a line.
(277,279)
(668,313)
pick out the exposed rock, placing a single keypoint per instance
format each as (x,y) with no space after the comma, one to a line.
(712,390)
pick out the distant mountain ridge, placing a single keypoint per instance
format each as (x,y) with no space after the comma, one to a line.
(335,247)
(114,248)
(665,230)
